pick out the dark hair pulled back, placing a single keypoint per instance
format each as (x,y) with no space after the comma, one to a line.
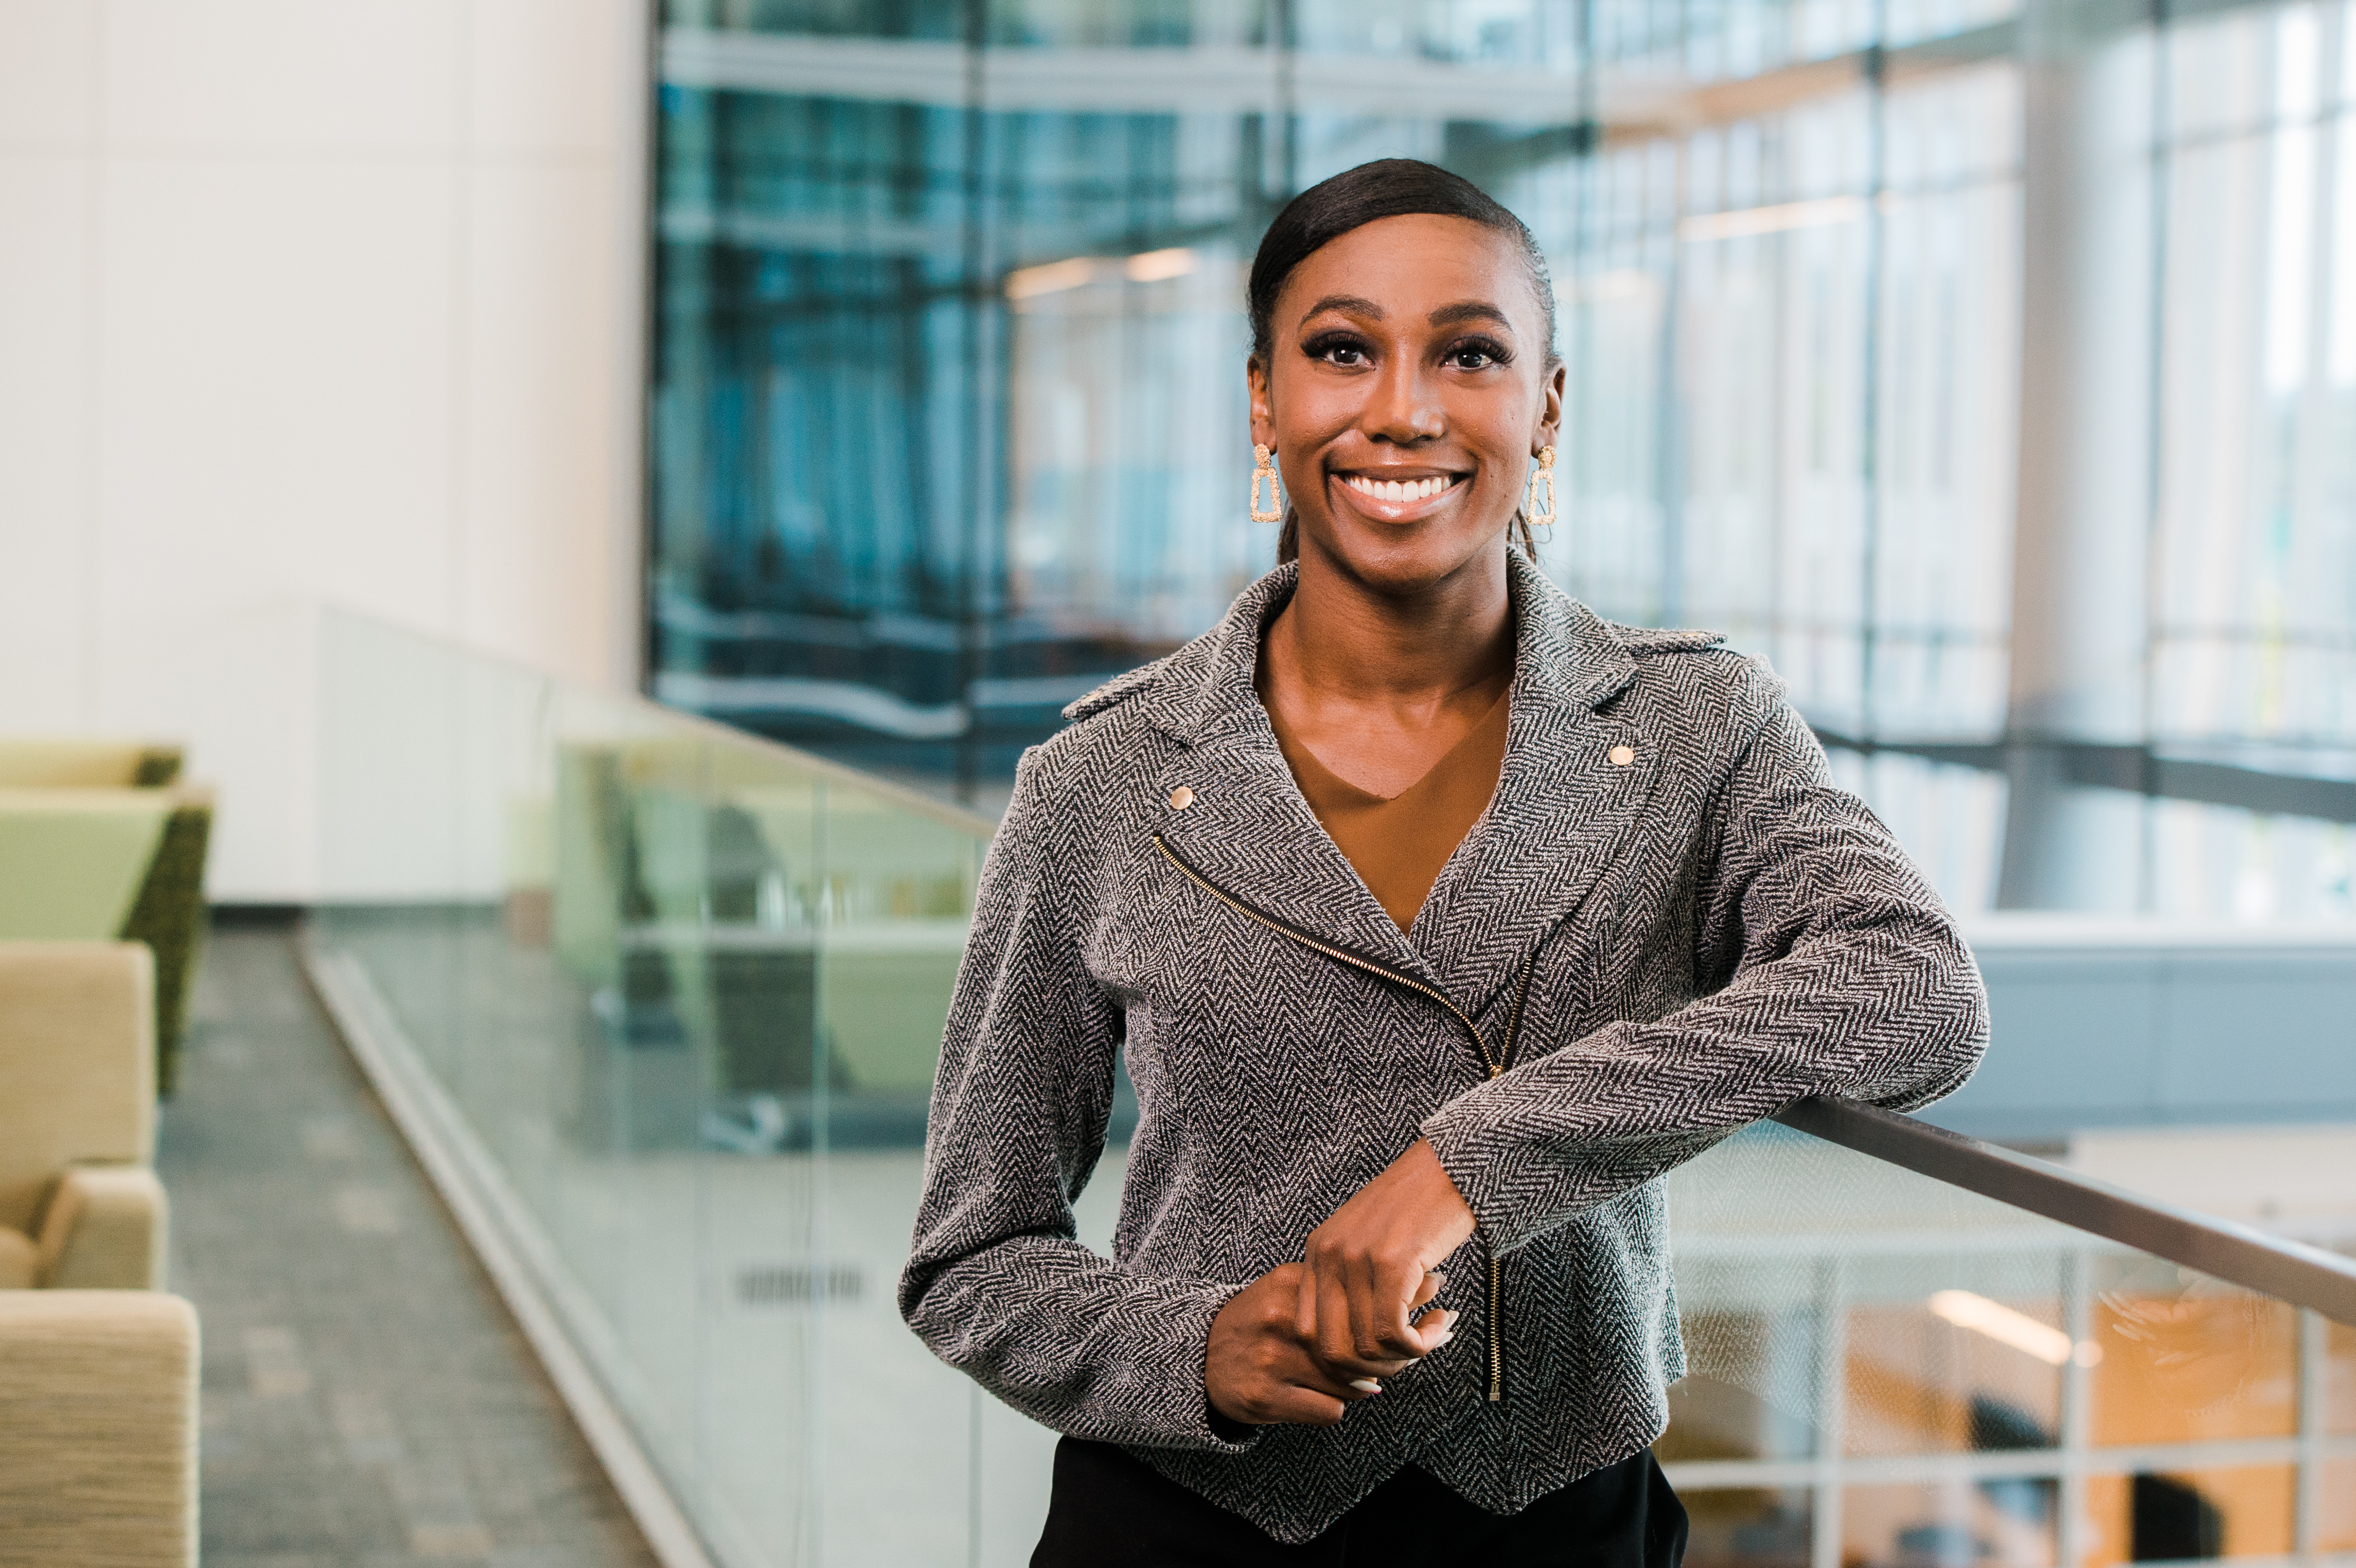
(1387,188)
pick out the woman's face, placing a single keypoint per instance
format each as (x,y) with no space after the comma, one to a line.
(1405,394)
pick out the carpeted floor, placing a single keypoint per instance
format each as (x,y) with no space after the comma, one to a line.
(368,1402)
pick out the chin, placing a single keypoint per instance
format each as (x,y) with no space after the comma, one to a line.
(1407,561)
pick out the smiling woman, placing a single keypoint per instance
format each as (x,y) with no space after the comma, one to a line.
(1436,919)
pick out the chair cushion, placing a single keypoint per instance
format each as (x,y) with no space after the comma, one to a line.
(77,1064)
(20,1261)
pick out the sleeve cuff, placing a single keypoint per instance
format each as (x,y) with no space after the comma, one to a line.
(1459,1133)
(1202,1427)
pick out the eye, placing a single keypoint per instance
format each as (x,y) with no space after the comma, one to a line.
(1346,349)
(1476,353)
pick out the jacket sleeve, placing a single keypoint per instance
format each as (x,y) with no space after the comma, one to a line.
(996,1284)
(1848,978)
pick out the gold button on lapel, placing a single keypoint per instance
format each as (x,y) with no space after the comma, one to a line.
(1181,798)
(1622,755)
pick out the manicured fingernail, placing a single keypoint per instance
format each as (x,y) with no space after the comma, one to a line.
(1436,1275)
(1365,1385)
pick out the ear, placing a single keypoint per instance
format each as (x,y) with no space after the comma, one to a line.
(1549,430)
(1263,418)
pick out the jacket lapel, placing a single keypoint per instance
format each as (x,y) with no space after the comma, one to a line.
(1565,803)
(1563,809)
(1245,828)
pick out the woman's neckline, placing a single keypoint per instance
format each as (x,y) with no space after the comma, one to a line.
(1289,741)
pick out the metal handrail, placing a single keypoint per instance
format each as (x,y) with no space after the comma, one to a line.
(2240,1255)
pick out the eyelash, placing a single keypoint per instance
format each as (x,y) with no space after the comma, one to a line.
(1489,349)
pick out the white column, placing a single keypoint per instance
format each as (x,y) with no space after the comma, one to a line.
(2087,368)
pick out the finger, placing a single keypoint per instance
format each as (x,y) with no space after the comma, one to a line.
(1348,1365)
(1333,1340)
(1294,1406)
(1433,1330)
(1372,1305)
(1384,1309)
(1427,1287)
(1348,1389)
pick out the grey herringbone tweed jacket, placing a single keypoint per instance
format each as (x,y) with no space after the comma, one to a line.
(1668,924)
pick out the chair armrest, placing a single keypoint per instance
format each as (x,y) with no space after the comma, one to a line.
(104,1230)
(97,1429)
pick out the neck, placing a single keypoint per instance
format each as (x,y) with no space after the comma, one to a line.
(1365,643)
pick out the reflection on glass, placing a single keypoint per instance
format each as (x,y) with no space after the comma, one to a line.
(2340,1380)
(1752,1529)
(1723,1417)
(1959,1372)
(1955,1524)
(2335,1515)
(2172,1516)
(2184,1359)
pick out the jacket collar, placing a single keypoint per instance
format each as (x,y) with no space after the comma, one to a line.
(1561,809)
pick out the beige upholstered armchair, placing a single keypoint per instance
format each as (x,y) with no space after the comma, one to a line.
(97,1429)
(83,764)
(80,1208)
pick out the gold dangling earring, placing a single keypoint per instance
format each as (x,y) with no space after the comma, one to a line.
(1262,468)
(1532,513)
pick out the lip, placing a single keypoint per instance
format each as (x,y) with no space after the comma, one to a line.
(1341,491)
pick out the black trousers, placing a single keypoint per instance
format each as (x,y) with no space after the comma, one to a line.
(1110,1509)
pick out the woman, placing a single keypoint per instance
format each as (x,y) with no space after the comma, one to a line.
(1436,919)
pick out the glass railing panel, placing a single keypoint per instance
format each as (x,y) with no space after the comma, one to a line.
(1886,1369)
(684,991)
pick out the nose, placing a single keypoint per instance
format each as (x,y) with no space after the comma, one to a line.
(1403,405)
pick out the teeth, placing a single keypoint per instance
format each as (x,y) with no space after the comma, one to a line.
(1398,489)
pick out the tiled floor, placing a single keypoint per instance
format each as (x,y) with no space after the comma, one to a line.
(367,1399)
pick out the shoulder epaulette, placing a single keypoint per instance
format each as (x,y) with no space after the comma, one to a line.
(1642,640)
(1112,693)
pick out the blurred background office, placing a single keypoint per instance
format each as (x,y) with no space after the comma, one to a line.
(597,495)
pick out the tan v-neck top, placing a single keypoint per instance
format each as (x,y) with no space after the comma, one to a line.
(1398,846)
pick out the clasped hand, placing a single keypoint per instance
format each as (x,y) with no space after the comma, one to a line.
(1306,1341)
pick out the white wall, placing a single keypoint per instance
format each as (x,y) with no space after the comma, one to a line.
(304,303)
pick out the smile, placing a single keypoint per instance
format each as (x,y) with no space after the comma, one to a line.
(1397,490)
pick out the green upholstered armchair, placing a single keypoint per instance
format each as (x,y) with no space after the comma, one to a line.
(92,863)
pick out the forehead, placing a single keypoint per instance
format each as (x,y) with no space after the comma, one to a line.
(1412,265)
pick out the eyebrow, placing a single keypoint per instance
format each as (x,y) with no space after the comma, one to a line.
(1445,315)
(1348,305)
(1468,310)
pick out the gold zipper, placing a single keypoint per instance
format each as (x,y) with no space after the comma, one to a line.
(1495,1064)
(1497,1287)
